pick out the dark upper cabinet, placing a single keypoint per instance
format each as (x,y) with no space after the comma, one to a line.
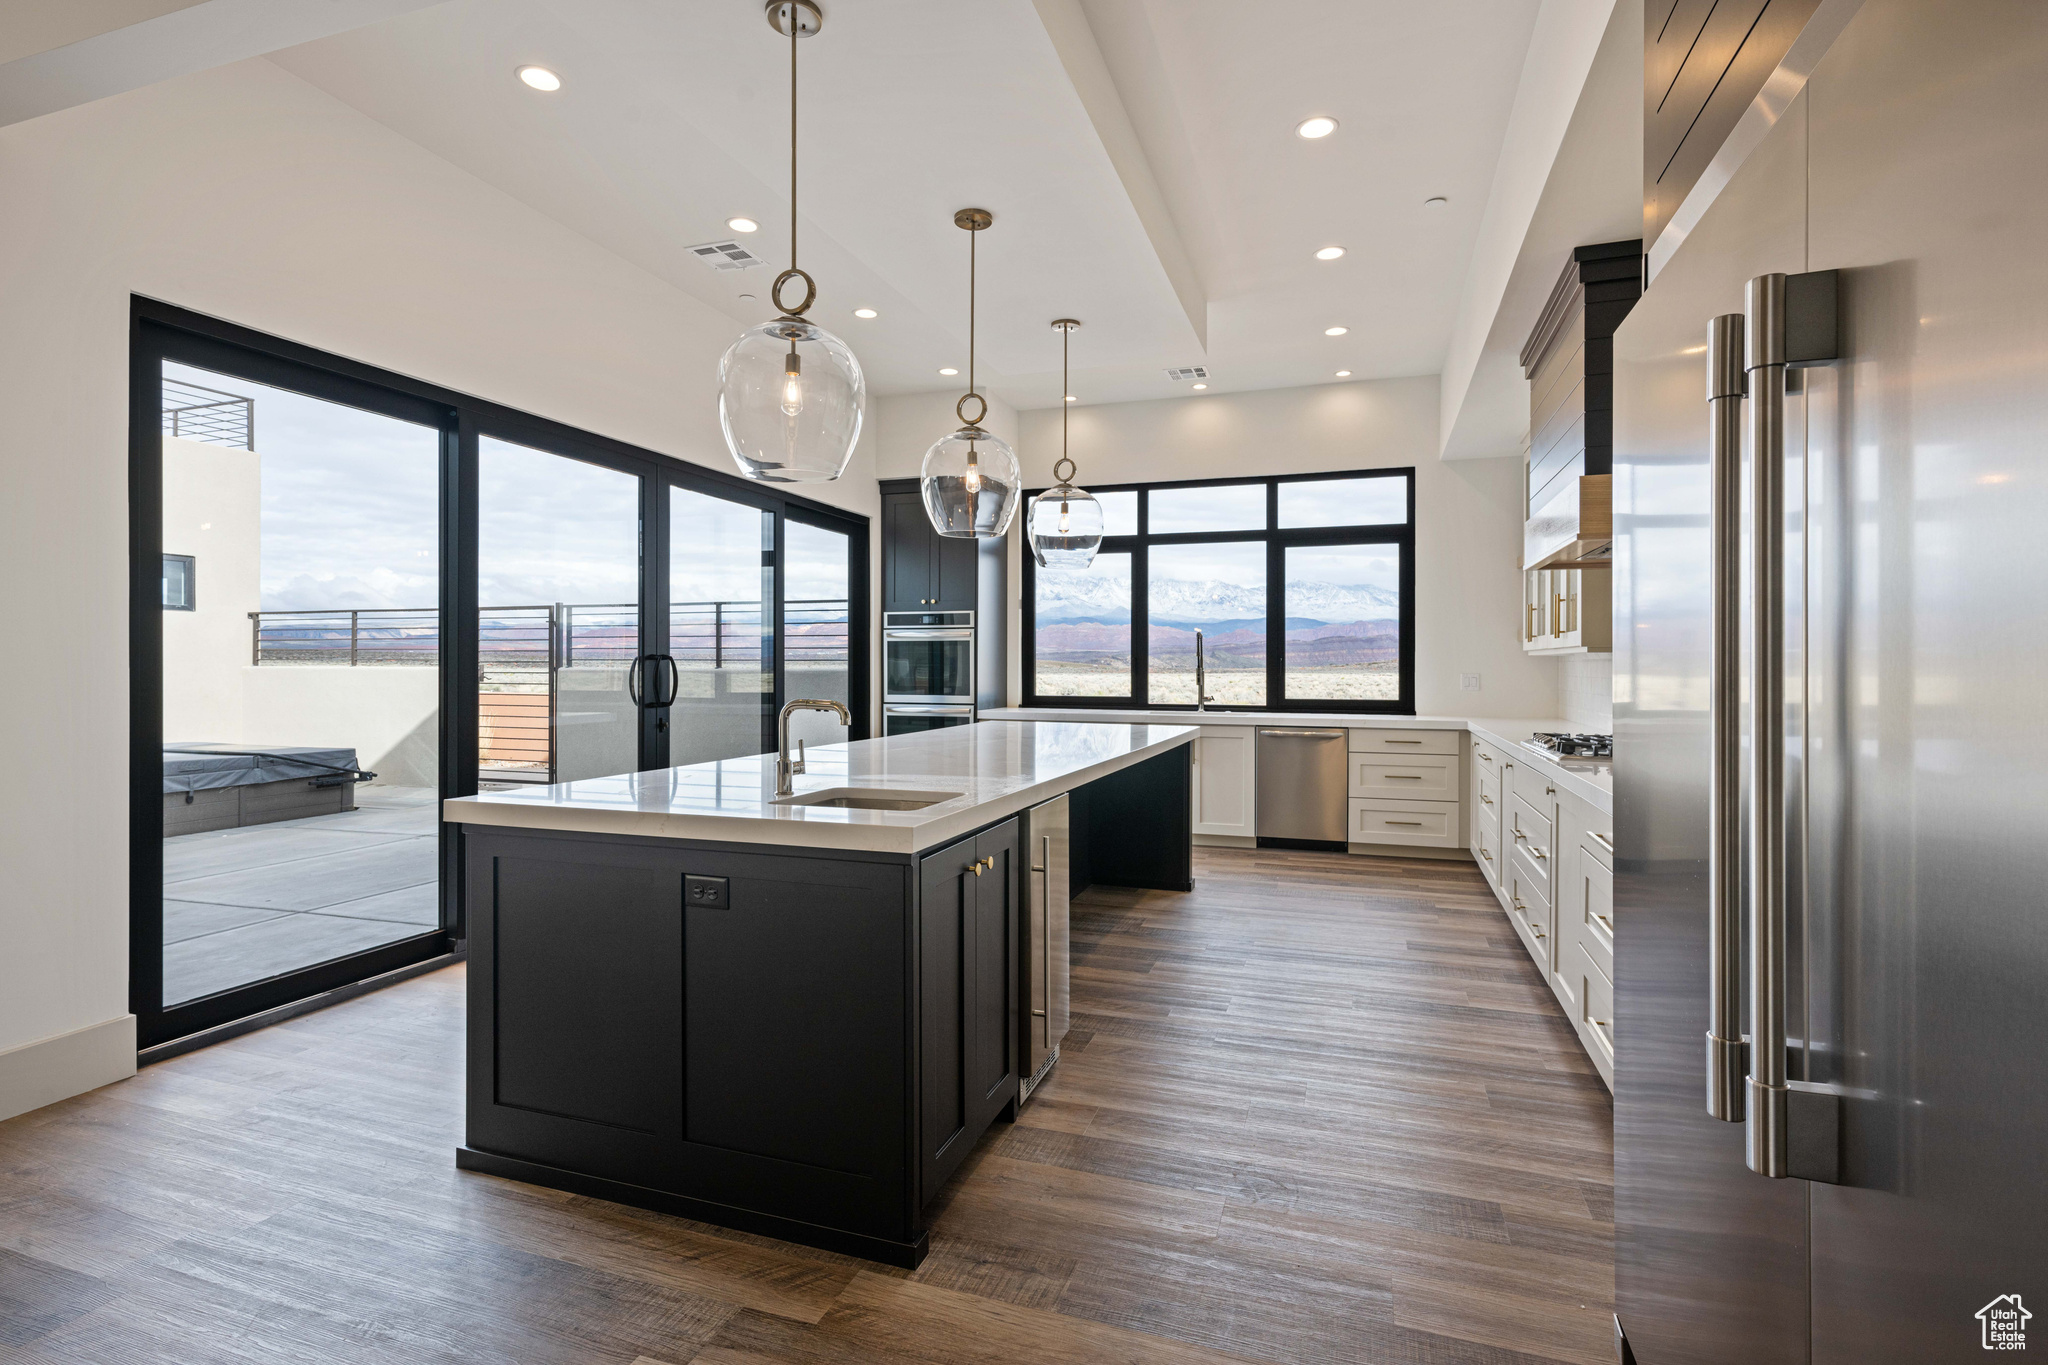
(921,569)
(968,926)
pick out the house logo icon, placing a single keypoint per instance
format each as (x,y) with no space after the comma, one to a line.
(2005,1323)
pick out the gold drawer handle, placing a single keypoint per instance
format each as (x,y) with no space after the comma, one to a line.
(1400,741)
(1403,822)
(1605,842)
(1403,777)
(1538,932)
(1484,854)
(1519,836)
(1605,923)
(1487,799)
(1518,902)
(1535,852)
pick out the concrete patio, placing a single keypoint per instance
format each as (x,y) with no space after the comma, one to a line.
(243,905)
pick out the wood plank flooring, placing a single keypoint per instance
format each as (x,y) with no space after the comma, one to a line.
(1321,1109)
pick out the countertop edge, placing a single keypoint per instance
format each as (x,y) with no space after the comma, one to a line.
(824,836)
(1506,731)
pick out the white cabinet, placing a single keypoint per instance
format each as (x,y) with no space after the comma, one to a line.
(1567,611)
(1550,858)
(1406,790)
(1223,783)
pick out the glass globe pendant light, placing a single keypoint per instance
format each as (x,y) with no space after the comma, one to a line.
(1065,522)
(791,396)
(970,478)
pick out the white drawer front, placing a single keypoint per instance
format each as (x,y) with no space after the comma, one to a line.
(1404,741)
(1596,1006)
(1423,778)
(1430,824)
(1535,786)
(1529,833)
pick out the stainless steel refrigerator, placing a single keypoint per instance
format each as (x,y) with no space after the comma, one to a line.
(1852,860)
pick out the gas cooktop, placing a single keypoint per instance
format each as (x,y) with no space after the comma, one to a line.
(1573,746)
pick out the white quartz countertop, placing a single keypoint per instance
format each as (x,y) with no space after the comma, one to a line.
(995,769)
(1592,783)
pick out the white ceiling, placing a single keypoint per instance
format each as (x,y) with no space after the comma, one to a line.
(1139,157)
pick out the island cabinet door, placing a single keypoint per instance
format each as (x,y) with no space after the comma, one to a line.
(967,910)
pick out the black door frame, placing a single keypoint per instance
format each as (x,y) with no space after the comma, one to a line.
(161,331)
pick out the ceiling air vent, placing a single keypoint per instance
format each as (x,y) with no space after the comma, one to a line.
(1187,372)
(726,256)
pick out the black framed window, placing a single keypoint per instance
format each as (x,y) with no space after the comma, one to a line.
(180,575)
(1300,587)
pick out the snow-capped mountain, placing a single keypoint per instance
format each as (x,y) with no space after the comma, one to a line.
(1095,597)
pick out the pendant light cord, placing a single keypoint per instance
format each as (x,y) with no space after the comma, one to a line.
(972,242)
(795,28)
(1066,335)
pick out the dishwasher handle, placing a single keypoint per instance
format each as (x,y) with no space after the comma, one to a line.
(1301,734)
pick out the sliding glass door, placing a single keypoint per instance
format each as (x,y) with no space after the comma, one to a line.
(558,617)
(354,595)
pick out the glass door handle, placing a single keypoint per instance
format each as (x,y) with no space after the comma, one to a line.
(673,677)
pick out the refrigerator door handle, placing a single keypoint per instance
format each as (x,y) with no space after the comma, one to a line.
(1727,1054)
(1767,1103)
(1792,1128)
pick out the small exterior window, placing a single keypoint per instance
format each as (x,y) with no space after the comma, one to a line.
(178,595)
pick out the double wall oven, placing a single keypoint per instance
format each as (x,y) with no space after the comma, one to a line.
(927,670)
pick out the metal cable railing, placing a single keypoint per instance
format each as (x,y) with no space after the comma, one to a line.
(194,412)
(522,652)
(721,634)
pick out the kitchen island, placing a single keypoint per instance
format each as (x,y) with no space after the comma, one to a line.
(789,1015)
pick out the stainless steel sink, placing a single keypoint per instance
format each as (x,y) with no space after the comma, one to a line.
(867,798)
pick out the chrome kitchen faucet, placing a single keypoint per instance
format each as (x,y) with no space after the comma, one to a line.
(786,771)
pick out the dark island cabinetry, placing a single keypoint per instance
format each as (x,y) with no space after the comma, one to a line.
(791,1042)
(803,1042)
(967,902)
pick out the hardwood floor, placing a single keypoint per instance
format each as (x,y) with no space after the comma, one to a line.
(1322,1109)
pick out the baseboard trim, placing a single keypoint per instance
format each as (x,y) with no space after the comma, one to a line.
(905,1254)
(53,1069)
(1225,841)
(1409,851)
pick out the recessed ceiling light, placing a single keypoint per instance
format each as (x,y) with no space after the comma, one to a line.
(1343,374)
(1335,331)
(949,370)
(1201,386)
(1319,126)
(1436,201)
(743,225)
(1329,253)
(540,78)
(863,312)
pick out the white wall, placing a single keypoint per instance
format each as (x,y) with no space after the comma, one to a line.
(213,501)
(1468,533)
(247,194)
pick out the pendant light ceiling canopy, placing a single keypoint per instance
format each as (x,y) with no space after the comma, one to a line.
(1065,522)
(970,480)
(791,396)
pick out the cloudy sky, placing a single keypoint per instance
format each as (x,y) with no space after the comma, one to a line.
(351,508)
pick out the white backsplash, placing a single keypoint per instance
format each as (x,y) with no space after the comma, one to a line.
(1585,686)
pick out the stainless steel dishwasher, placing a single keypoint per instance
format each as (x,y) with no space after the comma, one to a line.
(1302,785)
(1046,1011)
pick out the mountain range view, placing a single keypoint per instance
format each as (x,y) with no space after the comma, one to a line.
(1086,619)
